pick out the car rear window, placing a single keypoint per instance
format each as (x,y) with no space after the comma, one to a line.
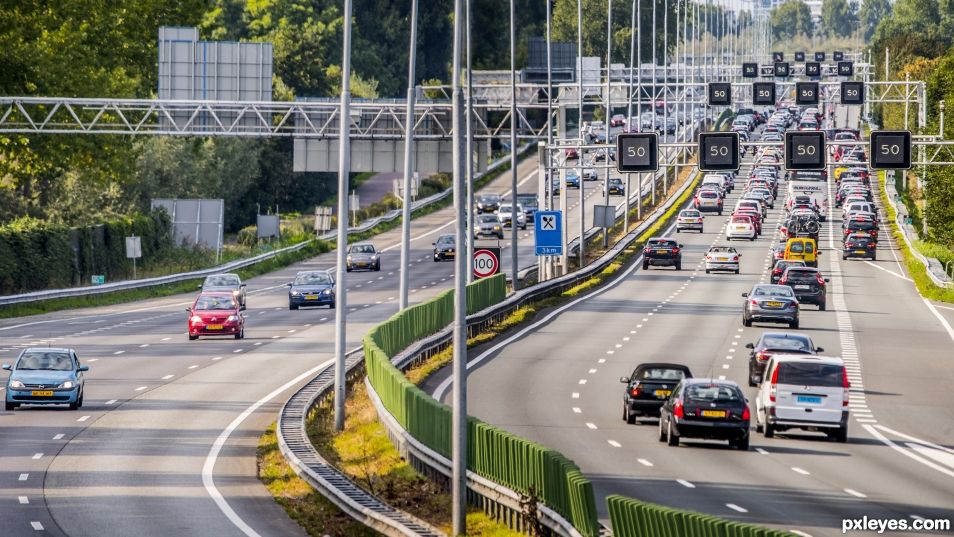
(775,290)
(861,224)
(662,244)
(797,248)
(810,374)
(709,194)
(801,274)
(712,393)
(741,220)
(786,343)
(659,373)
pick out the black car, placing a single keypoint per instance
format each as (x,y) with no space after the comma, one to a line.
(770,303)
(662,252)
(783,264)
(445,248)
(648,388)
(706,408)
(615,187)
(860,245)
(311,288)
(488,203)
(770,343)
(860,222)
(807,284)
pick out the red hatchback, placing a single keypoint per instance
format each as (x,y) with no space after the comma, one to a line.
(216,314)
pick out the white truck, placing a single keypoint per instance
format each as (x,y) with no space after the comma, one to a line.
(817,190)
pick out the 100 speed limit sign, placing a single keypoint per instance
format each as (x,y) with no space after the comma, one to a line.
(486,262)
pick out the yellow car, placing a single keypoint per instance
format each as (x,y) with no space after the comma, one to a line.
(838,172)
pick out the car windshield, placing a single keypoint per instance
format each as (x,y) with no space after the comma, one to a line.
(790,343)
(362,249)
(446,239)
(207,303)
(505,208)
(313,278)
(45,361)
(489,219)
(712,392)
(810,374)
(222,281)
(659,373)
(773,291)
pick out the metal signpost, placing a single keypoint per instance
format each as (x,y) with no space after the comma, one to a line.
(133,251)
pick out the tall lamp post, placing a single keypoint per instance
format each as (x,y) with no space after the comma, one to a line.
(408,161)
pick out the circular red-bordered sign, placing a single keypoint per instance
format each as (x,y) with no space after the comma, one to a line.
(486,263)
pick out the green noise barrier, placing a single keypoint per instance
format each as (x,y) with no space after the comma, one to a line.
(514,462)
(635,518)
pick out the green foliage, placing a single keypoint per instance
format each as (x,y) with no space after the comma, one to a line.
(871,14)
(790,19)
(839,18)
(594,27)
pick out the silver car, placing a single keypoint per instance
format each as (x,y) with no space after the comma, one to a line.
(770,303)
(363,256)
(505,213)
(722,258)
(488,225)
(226,283)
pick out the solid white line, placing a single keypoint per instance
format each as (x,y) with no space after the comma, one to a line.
(23,477)
(23,500)
(891,272)
(209,466)
(685,483)
(943,307)
(735,507)
(913,439)
(614,443)
(855,493)
(944,323)
(36,525)
(58,436)
(83,418)
(644,462)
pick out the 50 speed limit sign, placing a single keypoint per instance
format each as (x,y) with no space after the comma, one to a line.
(486,262)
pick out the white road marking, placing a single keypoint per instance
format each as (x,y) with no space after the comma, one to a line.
(238,350)
(23,500)
(725,366)
(23,477)
(582,381)
(798,470)
(257,343)
(193,366)
(944,323)
(217,358)
(645,462)
(575,395)
(111,401)
(735,507)
(614,443)
(891,272)
(592,371)
(58,436)
(166,338)
(761,451)
(141,388)
(36,525)
(93,360)
(721,377)
(167,377)
(576,410)
(292,331)
(591,425)
(144,345)
(855,493)
(610,352)
(800,533)
(275,337)
(83,418)
(685,483)
(119,352)
(601,361)
(37,456)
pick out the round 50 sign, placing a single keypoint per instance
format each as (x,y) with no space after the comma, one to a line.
(486,262)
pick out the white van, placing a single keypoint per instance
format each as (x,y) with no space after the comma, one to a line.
(803,392)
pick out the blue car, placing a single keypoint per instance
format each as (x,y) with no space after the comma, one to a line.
(572,180)
(45,376)
(311,288)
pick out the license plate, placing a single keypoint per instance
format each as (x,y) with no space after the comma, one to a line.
(662,393)
(662,251)
(859,251)
(213,327)
(713,413)
(774,304)
(805,287)
(722,258)
(311,297)
(41,393)
(812,399)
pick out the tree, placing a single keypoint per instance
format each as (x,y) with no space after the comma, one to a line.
(790,19)
(871,13)
(839,18)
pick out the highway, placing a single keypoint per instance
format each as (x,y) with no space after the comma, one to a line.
(557,384)
(169,424)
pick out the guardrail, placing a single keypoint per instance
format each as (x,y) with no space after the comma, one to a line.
(933,267)
(234,265)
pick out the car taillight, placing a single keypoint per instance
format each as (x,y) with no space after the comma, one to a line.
(646,250)
(774,384)
(844,378)
(784,280)
(735,258)
(754,302)
(746,416)
(675,250)
(762,356)
(819,279)
(776,272)
(635,390)
(677,410)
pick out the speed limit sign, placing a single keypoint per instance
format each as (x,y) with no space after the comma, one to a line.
(486,262)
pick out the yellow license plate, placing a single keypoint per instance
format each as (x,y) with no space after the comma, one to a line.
(311,297)
(662,251)
(41,393)
(774,304)
(722,258)
(713,413)
(663,393)
(213,327)
(859,251)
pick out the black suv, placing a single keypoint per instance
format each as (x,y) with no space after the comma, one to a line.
(808,285)
(648,388)
(662,252)
(860,245)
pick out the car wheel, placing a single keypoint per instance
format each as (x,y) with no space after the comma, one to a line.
(736,271)
(662,432)
(844,257)
(347,269)
(673,439)
(11,406)
(292,307)
(752,238)
(377,267)
(708,271)
(743,443)
(331,306)
(841,436)
(874,257)
(241,334)
(677,230)
(679,266)
(821,307)
(769,430)
(645,266)
(75,405)
(193,338)
(630,417)
(746,322)
(793,324)
(79,403)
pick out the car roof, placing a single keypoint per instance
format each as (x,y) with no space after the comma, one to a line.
(215,293)
(715,382)
(770,286)
(784,335)
(662,364)
(45,349)
(830,360)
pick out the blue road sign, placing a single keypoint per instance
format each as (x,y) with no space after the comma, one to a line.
(548,232)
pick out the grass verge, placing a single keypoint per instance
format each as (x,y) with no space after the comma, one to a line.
(269,265)
(915,268)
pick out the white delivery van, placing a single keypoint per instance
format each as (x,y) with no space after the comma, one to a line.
(817,190)
(803,392)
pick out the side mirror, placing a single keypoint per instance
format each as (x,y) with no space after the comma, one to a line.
(624,380)
(243,285)
(749,345)
(289,284)
(681,246)
(83,368)
(745,295)
(200,286)
(7,367)
(827,280)
(433,244)
(188,310)
(819,349)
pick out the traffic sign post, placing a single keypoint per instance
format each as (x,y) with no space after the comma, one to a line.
(548,232)
(890,150)
(805,150)
(750,70)
(719,151)
(637,152)
(782,69)
(846,69)
(799,56)
(852,92)
(486,262)
(806,93)
(133,251)
(720,94)
(763,93)
(812,69)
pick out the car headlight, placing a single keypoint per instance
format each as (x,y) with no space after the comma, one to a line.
(232,318)
(326,292)
(16,384)
(236,292)
(195,319)
(496,228)
(295,293)
(373,257)
(68,384)
(349,258)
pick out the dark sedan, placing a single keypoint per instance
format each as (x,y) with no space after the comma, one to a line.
(488,203)
(783,264)
(776,343)
(615,187)
(770,303)
(648,388)
(860,245)
(706,408)
(807,284)
(662,252)
(445,248)
(311,288)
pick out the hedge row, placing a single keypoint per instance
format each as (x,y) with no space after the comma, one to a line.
(37,255)
(635,518)
(492,453)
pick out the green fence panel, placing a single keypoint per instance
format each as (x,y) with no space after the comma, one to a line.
(634,518)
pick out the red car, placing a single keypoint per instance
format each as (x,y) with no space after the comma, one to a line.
(216,314)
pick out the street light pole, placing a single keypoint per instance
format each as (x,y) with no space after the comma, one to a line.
(459,402)
(629,111)
(579,45)
(513,145)
(344,168)
(469,150)
(609,107)
(653,103)
(408,161)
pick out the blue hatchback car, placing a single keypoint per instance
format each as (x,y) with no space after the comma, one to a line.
(45,376)
(311,288)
